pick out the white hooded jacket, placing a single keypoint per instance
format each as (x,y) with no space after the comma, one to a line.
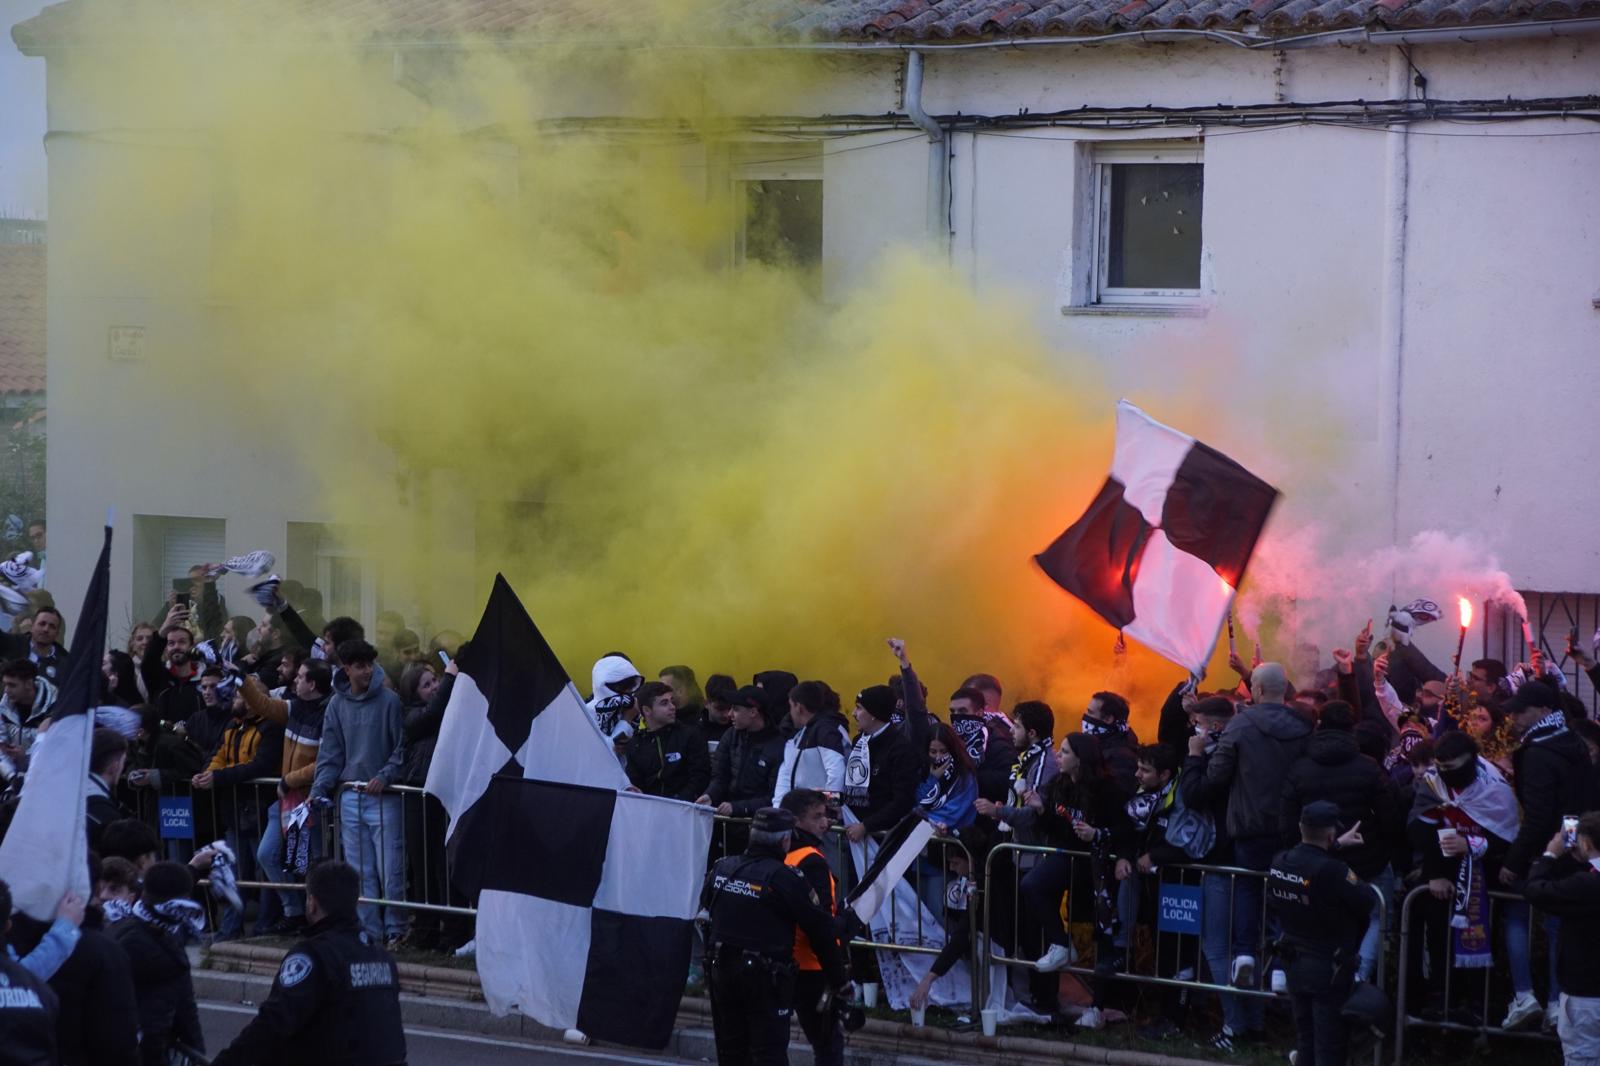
(614,711)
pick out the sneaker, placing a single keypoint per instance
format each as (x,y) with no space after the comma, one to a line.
(1224,1041)
(289,925)
(1552,1017)
(1059,957)
(1090,1018)
(251,564)
(1244,971)
(575,1036)
(1524,1009)
(1280,981)
(467,949)
(266,594)
(1294,1057)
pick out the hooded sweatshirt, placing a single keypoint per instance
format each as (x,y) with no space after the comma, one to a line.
(22,728)
(362,736)
(1253,757)
(1334,768)
(613,711)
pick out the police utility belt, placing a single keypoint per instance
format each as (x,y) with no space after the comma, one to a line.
(730,956)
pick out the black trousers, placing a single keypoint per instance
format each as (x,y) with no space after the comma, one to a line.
(751,1009)
(823,1029)
(1317,991)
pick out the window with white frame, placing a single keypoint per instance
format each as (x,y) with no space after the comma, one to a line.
(777,189)
(1147,215)
(334,560)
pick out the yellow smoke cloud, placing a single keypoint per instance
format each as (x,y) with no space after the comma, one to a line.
(505,342)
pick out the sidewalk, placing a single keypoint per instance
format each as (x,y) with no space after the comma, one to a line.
(448,998)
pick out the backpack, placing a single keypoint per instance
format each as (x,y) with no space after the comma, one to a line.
(1191,831)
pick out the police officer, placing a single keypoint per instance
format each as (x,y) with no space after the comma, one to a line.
(1323,911)
(755,901)
(336,1000)
(823,1026)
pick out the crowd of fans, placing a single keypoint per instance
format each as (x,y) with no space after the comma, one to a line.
(1456,783)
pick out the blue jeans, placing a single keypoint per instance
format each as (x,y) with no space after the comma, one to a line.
(269,860)
(1377,926)
(1252,853)
(1220,942)
(374,842)
(1519,951)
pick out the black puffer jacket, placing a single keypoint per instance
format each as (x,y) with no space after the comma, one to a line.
(164,987)
(1552,778)
(1334,769)
(744,769)
(99,1023)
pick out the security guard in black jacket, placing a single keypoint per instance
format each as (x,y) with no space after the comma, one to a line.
(336,1001)
(754,902)
(1324,912)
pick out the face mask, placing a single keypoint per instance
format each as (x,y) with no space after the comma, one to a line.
(1093,728)
(1461,776)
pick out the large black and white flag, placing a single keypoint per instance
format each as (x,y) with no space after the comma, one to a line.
(586,894)
(1164,545)
(44,854)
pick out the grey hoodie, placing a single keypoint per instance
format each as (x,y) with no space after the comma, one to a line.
(1253,757)
(362,736)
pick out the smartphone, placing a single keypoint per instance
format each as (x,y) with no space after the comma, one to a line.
(444,658)
(1569,829)
(181,598)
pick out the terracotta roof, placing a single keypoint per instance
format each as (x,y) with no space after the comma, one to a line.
(835,20)
(21,318)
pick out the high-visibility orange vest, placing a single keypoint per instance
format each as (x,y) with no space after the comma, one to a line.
(804,956)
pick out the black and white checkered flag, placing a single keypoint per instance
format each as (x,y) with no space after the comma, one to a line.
(586,894)
(1164,545)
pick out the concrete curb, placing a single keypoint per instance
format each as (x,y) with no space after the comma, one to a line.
(442,998)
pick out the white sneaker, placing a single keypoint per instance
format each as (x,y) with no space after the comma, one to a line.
(1552,1017)
(1280,981)
(1294,1056)
(1244,971)
(1524,1009)
(1090,1019)
(469,948)
(1059,957)
(251,564)
(575,1036)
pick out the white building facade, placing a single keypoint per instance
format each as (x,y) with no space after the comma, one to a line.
(1428,259)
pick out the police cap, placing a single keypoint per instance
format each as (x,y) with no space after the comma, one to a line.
(1320,814)
(772,820)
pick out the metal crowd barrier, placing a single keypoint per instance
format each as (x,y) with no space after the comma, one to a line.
(189,818)
(1406,1019)
(727,838)
(1165,942)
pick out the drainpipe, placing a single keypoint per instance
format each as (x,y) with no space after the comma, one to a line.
(938,154)
(1397,185)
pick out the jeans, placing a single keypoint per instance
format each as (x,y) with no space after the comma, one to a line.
(1378,925)
(1042,888)
(373,838)
(1252,853)
(1220,944)
(1519,951)
(270,857)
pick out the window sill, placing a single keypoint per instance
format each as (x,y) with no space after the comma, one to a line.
(1138,310)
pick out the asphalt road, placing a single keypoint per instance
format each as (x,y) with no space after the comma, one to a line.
(434,1047)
